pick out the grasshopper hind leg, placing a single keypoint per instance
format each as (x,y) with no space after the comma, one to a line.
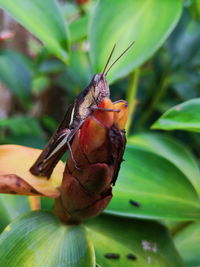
(72,156)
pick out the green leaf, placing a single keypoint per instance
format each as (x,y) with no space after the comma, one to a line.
(147,23)
(39,239)
(150,186)
(51,66)
(78,75)
(80,68)
(69,10)
(16,73)
(174,151)
(44,19)
(183,44)
(78,28)
(24,140)
(47,203)
(21,125)
(12,206)
(148,241)
(185,116)
(188,244)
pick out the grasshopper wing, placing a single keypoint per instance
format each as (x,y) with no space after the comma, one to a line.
(54,149)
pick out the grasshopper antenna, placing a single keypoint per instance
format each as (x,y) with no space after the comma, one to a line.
(109,58)
(118,57)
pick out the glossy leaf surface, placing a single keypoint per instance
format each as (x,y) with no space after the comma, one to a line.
(134,242)
(188,244)
(150,186)
(44,19)
(124,21)
(185,116)
(12,206)
(39,239)
(172,150)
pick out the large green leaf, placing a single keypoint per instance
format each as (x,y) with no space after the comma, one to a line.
(148,242)
(16,73)
(78,75)
(80,69)
(185,116)
(172,150)
(148,23)
(39,239)
(44,19)
(150,186)
(188,243)
(12,206)
(78,29)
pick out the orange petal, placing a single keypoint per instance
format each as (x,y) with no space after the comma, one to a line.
(105,117)
(121,117)
(17,160)
(92,136)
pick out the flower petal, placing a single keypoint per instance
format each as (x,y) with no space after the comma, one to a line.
(16,160)
(93,135)
(121,117)
(106,118)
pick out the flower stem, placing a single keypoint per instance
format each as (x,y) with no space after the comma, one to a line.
(131,97)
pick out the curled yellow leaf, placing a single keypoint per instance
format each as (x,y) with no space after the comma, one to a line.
(15,162)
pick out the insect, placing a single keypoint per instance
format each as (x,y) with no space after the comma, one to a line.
(131,256)
(83,106)
(134,203)
(115,256)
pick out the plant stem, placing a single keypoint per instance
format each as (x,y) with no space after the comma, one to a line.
(34,202)
(163,87)
(131,97)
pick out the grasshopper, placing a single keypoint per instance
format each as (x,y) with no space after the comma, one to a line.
(83,106)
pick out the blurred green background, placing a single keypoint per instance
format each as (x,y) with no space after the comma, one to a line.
(36,87)
(46,62)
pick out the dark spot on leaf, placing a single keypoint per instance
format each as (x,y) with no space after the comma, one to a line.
(114,256)
(131,256)
(12,192)
(134,203)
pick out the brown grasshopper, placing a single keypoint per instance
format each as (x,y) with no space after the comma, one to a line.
(84,105)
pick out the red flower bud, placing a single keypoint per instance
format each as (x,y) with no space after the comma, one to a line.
(98,149)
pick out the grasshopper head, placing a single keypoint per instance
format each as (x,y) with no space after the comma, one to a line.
(100,87)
